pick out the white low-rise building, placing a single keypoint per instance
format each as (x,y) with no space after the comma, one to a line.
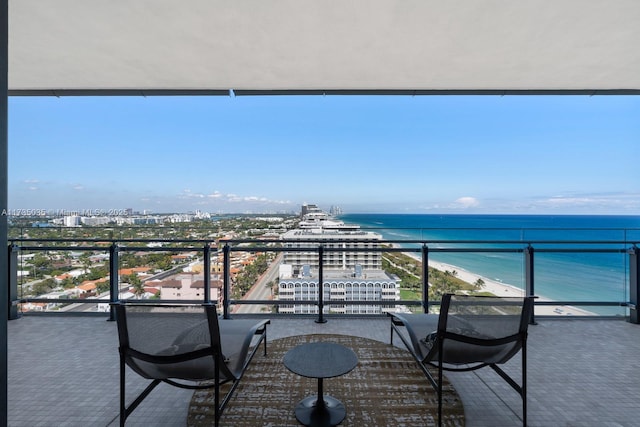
(377,286)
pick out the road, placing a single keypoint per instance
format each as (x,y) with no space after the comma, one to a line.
(261,290)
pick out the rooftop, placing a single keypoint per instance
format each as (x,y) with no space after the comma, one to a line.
(340,274)
(63,370)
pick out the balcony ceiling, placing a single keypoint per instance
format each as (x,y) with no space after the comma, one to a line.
(68,47)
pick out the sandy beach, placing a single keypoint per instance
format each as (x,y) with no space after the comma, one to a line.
(506,290)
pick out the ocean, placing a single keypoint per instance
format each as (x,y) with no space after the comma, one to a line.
(565,276)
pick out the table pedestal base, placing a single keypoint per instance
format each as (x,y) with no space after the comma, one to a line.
(309,413)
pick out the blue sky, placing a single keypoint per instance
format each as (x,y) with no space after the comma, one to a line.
(423,154)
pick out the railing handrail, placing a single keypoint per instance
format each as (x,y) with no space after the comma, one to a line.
(624,241)
(322,246)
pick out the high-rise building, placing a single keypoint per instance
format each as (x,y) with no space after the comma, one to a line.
(350,271)
(72,221)
(309,209)
(335,210)
(340,243)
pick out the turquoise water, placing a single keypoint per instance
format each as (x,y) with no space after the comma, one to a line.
(559,276)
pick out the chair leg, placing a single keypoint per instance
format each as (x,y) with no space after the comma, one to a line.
(123,411)
(524,384)
(440,392)
(217,390)
(265,340)
(440,363)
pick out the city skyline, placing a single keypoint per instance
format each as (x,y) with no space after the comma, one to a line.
(424,154)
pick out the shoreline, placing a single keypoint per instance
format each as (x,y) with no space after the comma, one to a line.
(504,289)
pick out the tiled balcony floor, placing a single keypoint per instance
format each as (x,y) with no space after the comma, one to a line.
(63,371)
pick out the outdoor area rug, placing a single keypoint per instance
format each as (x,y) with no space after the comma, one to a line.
(386,388)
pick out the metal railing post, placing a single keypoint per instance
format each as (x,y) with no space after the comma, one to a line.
(634,285)
(226,284)
(207,273)
(114,291)
(528,277)
(425,279)
(320,318)
(13,281)
(4,191)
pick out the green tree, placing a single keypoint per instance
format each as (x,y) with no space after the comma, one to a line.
(85,261)
(138,289)
(41,261)
(102,287)
(96,273)
(44,286)
(68,283)
(136,284)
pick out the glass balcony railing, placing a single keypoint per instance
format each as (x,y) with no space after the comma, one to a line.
(571,278)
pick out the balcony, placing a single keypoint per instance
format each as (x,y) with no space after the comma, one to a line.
(65,377)
(63,370)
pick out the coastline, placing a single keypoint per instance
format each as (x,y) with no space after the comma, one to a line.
(504,290)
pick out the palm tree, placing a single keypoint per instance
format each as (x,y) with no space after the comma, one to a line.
(136,284)
(138,289)
(86,262)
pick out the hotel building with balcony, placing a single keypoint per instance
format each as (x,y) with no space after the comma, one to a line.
(347,274)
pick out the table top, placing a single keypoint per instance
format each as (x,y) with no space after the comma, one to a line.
(320,360)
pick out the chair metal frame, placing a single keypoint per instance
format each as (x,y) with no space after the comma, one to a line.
(212,348)
(518,341)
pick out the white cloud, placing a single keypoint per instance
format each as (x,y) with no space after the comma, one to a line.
(217,200)
(594,202)
(466,202)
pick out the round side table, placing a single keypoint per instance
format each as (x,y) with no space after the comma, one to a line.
(320,360)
